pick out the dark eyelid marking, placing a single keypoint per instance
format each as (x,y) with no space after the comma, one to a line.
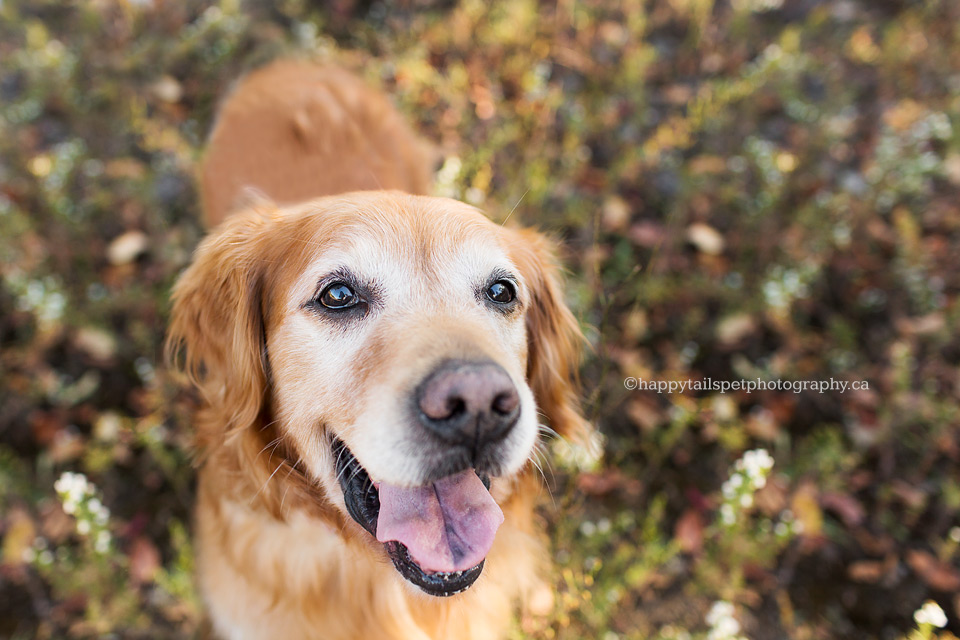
(368,291)
(501,274)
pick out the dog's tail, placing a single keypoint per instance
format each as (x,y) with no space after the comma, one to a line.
(296,130)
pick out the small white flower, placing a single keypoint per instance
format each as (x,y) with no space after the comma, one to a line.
(727,514)
(955,534)
(746,500)
(764,459)
(757,462)
(723,624)
(931,613)
(728,490)
(83,527)
(721,609)
(102,543)
(727,627)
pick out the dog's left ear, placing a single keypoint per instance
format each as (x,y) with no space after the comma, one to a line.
(554,339)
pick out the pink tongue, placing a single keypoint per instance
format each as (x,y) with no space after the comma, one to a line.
(446,526)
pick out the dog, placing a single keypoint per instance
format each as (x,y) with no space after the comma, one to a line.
(373,367)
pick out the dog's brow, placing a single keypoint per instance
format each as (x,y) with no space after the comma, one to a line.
(312,243)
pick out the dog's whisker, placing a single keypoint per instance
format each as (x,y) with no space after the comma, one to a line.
(547,431)
(267,481)
(546,484)
(374,176)
(269,424)
(540,452)
(515,207)
(285,491)
(356,472)
(273,444)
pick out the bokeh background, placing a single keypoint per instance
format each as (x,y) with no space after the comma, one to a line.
(742,188)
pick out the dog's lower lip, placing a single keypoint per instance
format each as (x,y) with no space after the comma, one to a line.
(361,496)
(434,583)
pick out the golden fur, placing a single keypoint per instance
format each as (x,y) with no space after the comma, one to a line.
(278,555)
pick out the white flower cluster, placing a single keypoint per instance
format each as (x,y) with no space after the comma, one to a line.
(788,525)
(757,464)
(723,626)
(671,632)
(602,526)
(930,614)
(749,476)
(79,498)
(584,455)
(39,552)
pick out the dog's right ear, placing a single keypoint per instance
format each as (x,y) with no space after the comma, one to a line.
(554,340)
(217,333)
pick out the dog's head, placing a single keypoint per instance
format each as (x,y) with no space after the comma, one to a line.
(399,349)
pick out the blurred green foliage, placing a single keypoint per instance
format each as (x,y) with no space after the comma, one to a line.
(743,189)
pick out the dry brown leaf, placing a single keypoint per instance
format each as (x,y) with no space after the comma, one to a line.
(96,343)
(938,575)
(689,531)
(908,494)
(762,425)
(167,89)
(705,238)
(707,164)
(873,545)
(125,248)
(55,524)
(144,560)
(598,484)
(868,571)
(615,214)
(734,328)
(807,510)
(772,498)
(646,234)
(644,413)
(847,507)
(19,537)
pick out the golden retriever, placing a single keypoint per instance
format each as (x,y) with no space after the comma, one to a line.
(373,367)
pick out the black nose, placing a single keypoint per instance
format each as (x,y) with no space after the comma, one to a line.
(468,403)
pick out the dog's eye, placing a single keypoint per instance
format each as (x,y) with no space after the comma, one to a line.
(502,292)
(338,296)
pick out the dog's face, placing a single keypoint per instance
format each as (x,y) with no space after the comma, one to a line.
(398,314)
(401,346)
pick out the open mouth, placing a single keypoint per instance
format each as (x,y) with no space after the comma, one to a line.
(437,536)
